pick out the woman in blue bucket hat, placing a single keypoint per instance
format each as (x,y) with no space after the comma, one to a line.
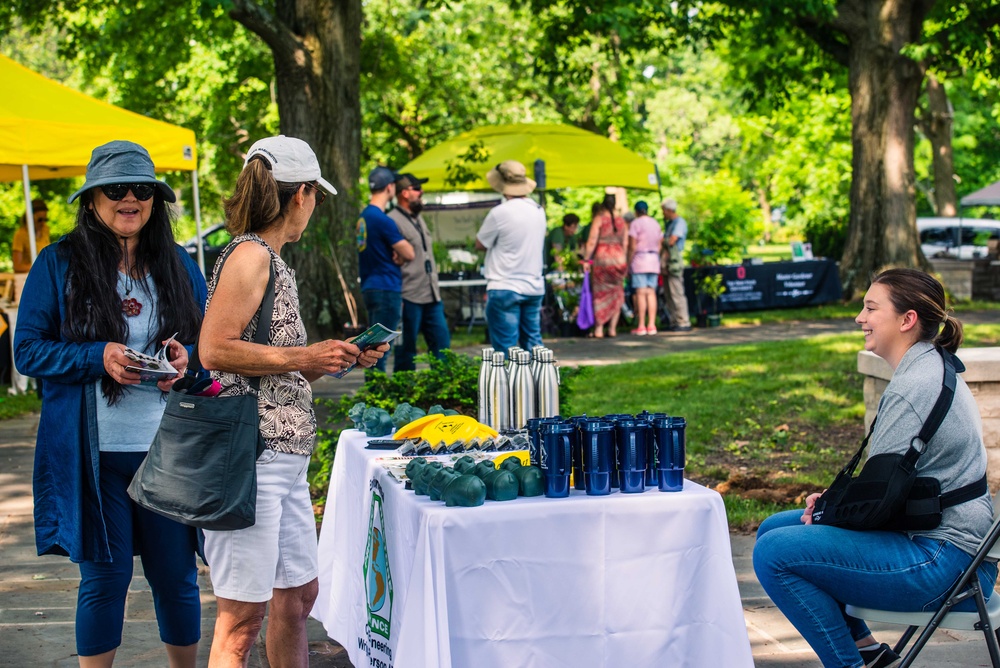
(117,280)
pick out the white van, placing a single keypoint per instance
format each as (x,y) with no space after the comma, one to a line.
(961,238)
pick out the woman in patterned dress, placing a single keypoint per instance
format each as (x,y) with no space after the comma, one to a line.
(605,259)
(274,560)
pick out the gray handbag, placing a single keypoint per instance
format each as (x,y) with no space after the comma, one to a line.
(201,467)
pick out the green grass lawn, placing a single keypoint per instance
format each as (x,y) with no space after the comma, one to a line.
(12,406)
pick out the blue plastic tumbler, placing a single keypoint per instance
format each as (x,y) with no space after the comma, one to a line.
(556,457)
(652,473)
(578,482)
(534,428)
(597,443)
(669,435)
(613,418)
(630,447)
(534,436)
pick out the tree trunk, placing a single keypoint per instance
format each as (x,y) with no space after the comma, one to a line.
(884,87)
(316,46)
(936,124)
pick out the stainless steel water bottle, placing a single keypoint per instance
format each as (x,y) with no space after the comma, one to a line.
(536,352)
(522,391)
(548,386)
(498,413)
(485,369)
(511,356)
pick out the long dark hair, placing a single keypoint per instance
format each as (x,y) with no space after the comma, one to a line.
(93,304)
(911,289)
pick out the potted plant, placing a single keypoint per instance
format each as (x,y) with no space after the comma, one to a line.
(711,287)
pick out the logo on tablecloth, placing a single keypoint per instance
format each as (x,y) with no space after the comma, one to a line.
(378,579)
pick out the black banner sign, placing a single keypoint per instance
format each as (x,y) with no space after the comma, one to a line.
(751,287)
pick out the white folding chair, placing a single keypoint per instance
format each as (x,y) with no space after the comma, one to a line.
(986,619)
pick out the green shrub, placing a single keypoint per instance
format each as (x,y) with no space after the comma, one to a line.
(827,236)
(722,219)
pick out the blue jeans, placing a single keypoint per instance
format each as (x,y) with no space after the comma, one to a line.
(167,550)
(383,306)
(810,572)
(514,319)
(426,319)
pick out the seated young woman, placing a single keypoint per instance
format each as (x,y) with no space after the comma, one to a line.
(811,571)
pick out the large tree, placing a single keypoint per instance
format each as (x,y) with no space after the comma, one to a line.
(882,43)
(315,46)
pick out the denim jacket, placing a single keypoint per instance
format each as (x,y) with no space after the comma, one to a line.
(68,517)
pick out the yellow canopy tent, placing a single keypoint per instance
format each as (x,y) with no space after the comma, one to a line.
(48,131)
(572,158)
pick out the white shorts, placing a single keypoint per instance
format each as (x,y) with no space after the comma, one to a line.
(279,551)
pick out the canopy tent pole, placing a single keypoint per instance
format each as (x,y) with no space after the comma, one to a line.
(29,213)
(197,220)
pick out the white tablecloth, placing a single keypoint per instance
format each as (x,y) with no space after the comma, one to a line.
(636,580)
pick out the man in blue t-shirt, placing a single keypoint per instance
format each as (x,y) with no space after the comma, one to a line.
(381,251)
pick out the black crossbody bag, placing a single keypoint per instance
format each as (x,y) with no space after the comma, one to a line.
(201,469)
(887,494)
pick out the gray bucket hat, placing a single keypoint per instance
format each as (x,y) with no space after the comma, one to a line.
(122,162)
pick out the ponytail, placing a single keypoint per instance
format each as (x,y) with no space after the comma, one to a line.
(951,335)
(258,200)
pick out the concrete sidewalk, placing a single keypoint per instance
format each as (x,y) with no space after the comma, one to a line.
(38,594)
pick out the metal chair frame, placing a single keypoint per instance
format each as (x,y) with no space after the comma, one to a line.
(986,619)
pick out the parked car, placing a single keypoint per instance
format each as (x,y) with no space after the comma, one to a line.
(959,238)
(215,239)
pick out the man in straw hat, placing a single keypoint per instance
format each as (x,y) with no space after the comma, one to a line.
(513,236)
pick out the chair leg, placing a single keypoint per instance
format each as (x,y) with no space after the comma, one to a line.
(904,639)
(988,631)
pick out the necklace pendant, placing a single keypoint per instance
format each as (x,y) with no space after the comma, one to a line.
(131,307)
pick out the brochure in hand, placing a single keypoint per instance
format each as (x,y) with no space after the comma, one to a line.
(372,337)
(153,369)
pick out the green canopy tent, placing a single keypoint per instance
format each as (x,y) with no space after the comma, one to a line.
(572,158)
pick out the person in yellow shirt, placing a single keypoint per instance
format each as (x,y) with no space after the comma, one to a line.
(20,247)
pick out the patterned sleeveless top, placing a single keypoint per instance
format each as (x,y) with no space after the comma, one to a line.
(287,419)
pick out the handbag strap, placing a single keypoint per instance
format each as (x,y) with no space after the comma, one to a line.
(266,309)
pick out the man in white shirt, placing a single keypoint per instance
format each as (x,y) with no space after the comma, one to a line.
(513,236)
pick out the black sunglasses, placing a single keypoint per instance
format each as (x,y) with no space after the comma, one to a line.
(320,194)
(117,191)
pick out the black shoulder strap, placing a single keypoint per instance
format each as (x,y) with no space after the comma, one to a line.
(265,310)
(943,404)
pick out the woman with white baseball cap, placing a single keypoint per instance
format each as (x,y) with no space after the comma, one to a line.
(274,560)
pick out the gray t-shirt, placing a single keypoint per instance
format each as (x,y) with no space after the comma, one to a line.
(678,227)
(955,455)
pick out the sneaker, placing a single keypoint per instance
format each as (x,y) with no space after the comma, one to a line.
(677,328)
(640,331)
(880,657)
(650,331)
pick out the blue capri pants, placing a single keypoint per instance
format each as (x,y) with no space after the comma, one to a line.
(167,550)
(812,571)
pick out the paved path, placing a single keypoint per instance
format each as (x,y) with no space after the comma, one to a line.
(38,594)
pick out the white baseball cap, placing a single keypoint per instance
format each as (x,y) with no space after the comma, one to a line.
(291,160)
